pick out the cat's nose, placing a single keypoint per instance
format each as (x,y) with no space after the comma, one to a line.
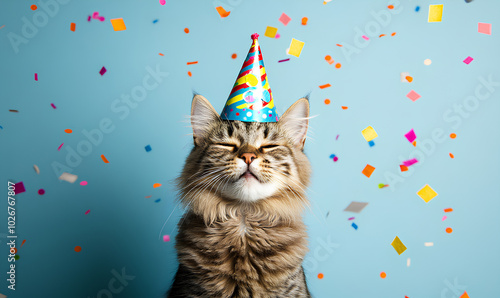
(248,157)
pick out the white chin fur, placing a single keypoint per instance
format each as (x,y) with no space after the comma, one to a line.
(249,190)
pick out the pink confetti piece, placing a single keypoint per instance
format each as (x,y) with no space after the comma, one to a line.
(484,28)
(410,162)
(103,70)
(277,36)
(284,60)
(2,26)
(53,105)
(413,95)
(101,19)
(468,60)
(59,148)
(365,37)
(444,217)
(411,136)
(166,238)
(36,76)
(19,188)
(337,137)
(87,212)
(284,19)
(162,2)
(350,218)
(83,183)
(41,191)
(88,19)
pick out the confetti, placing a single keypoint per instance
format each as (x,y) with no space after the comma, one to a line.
(368,170)
(60,146)
(381,35)
(156,185)
(186,30)
(155,21)
(365,37)
(429,243)
(382,185)
(190,73)
(191,63)
(435,13)
(96,16)
(410,162)
(390,6)
(162,2)
(103,70)
(71,178)
(72,27)
(444,217)
(277,36)
(320,275)
(304,21)
(271,32)
(68,130)
(355,226)
(327,101)
(403,76)
(344,107)
(403,168)
(329,59)
(2,26)
(148,148)
(338,65)
(296,47)
(465,295)
(83,183)
(449,230)
(78,248)
(371,143)
(37,170)
(166,238)
(33,7)
(24,241)
(408,261)
(393,33)
(426,193)
(324,86)
(222,12)
(19,188)
(41,191)
(284,60)
(335,158)
(14,111)
(448,210)
(451,155)
(350,218)
(157,200)
(118,24)
(161,54)
(87,212)
(53,105)
(413,95)
(484,28)
(356,207)
(284,19)
(234,56)
(409,79)
(411,136)
(369,133)
(383,275)
(398,245)
(337,137)
(427,61)
(147,197)
(414,143)
(36,76)
(417,8)
(468,60)
(104,158)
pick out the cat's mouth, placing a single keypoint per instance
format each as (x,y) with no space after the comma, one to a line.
(248,175)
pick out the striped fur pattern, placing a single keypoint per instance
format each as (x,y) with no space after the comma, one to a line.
(243,234)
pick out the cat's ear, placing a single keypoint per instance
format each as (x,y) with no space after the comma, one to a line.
(202,114)
(295,121)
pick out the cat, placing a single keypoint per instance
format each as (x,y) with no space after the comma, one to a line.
(243,185)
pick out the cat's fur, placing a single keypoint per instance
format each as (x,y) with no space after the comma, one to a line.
(243,235)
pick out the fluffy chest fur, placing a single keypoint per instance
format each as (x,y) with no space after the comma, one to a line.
(242,257)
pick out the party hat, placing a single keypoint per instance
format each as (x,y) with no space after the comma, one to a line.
(251,99)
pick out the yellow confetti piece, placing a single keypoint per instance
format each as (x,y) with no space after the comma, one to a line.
(426,193)
(369,133)
(118,24)
(271,32)
(398,245)
(296,47)
(435,13)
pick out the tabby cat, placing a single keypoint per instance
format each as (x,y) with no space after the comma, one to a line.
(244,188)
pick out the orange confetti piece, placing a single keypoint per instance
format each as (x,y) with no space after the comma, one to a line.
(327,101)
(403,168)
(381,35)
(339,45)
(414,143)
(328,57)
(189,73)
(449,230)
(234,56)
(344,108)
(161,54)
(368,170)
(33,7)
(68,130)
(383,275)
(393,33)
(24,241)
(104,158)
(118,24)
(453,135)
(156,185)
(186,30)
(448,210)
(409,79)
(325,86)
(222,12)
(320,275)
(147,197)
(465,295)
(338,65)
(194,62)
(72,27)
(451,155)
(390,6)
(78,248)
(304,21)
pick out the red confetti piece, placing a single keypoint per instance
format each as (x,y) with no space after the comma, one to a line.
(36,76)
(72,27)
(87,212)
(194,62)
(186,30)
(33,7)
(104,158)
(448,210)
(53,105)
(78,248)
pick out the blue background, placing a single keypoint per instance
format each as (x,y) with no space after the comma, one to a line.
(124,228)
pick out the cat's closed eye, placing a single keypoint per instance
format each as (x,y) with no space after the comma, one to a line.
(267,148)
(230,147)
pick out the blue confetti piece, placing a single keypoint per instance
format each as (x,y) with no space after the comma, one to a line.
(157,200)
(371,143)
(1,127)
(148,148)
(355,226)
(417,8)
(332,155)
(155,21)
